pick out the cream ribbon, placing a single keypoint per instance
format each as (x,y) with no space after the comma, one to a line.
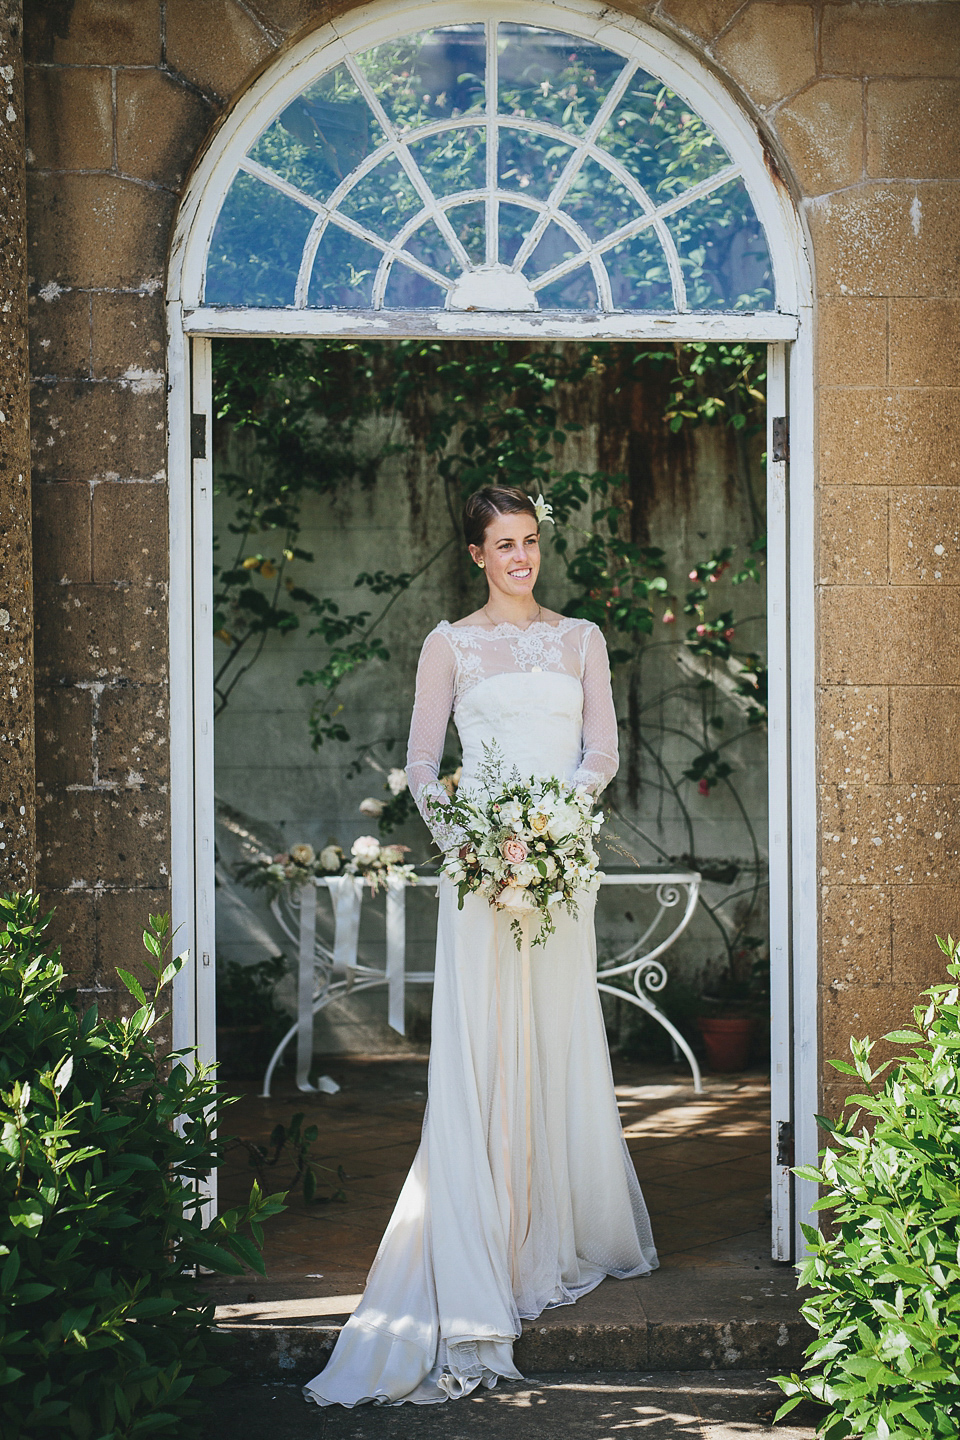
(305,984)
(347,893)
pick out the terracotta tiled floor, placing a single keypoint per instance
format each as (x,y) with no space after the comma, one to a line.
(703,1162)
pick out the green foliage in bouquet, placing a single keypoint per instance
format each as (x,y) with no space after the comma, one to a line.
(526,846)
(104,1334)
(886,1279)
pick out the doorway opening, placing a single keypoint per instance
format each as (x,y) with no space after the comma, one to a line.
(583,186)
(339,469)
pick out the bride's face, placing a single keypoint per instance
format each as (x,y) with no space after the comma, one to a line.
(510,554)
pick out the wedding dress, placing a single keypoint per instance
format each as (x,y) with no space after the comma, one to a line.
(522,1194)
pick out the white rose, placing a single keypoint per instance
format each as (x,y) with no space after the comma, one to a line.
(513,897)
(551,866)
(365,849)
(564,821)
(525,874)
(511,815)
(372,807)
(397,781)
(302,855)
(331,858)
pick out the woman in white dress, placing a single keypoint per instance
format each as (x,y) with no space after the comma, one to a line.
(522,1194)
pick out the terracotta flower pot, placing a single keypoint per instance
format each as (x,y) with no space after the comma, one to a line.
(728,1040)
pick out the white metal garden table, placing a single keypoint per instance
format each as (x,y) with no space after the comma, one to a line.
(325,973)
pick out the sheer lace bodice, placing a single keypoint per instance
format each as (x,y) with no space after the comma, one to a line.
(542,693)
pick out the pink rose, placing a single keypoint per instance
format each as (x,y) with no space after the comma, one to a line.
(514,851)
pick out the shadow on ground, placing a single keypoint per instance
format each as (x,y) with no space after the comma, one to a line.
(691,1406)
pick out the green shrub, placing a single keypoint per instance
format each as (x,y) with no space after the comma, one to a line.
(886,1279)
(103,1330)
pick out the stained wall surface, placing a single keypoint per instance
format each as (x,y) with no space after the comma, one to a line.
(859,102)
(17,834)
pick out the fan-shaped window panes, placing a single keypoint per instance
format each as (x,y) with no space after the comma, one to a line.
(496,167)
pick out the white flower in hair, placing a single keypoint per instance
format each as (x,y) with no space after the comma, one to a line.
(543,510)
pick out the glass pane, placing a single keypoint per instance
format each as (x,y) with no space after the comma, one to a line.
(723,252)
(428,245)
(435,75)
(554,246)
(598,201)
(660,140)
(516,221)
(639,278)
(549,76)
(530,162)
(469,222)
(321,136)
(576,291)
(453,160)
(343,272)
(382,200)
(257,246)
(406,290)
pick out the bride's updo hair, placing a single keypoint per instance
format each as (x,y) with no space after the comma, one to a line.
(485,504)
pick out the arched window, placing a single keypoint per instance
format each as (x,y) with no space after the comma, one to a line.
(497,167)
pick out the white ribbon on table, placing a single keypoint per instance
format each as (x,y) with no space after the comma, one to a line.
(305,984)
(346,893)
(396,952)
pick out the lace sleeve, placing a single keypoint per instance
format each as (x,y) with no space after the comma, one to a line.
(436,678)
(601,756)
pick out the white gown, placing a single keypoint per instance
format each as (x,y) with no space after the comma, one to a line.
(522,1194)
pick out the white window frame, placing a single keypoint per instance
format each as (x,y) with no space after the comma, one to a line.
(788,332)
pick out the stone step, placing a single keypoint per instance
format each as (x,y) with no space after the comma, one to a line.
(298,1352)
(712,1317)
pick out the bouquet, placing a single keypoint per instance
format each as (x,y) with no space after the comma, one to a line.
(527,845)
(301,863)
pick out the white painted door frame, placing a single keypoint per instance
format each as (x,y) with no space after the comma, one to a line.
(790,574)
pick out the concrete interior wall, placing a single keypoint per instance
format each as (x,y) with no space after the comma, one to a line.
(686,494)
(858,102)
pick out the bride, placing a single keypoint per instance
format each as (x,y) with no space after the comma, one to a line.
(522,1194)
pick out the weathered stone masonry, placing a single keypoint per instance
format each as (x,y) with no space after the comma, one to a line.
(17,787)
(859,103)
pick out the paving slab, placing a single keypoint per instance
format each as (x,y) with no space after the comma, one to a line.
(718,1302)
(581,1406)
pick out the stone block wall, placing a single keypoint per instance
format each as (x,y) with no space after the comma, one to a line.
(17,819)
(858,100)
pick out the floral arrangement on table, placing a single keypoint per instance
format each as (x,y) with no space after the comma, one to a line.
(527,845)
(298,866)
